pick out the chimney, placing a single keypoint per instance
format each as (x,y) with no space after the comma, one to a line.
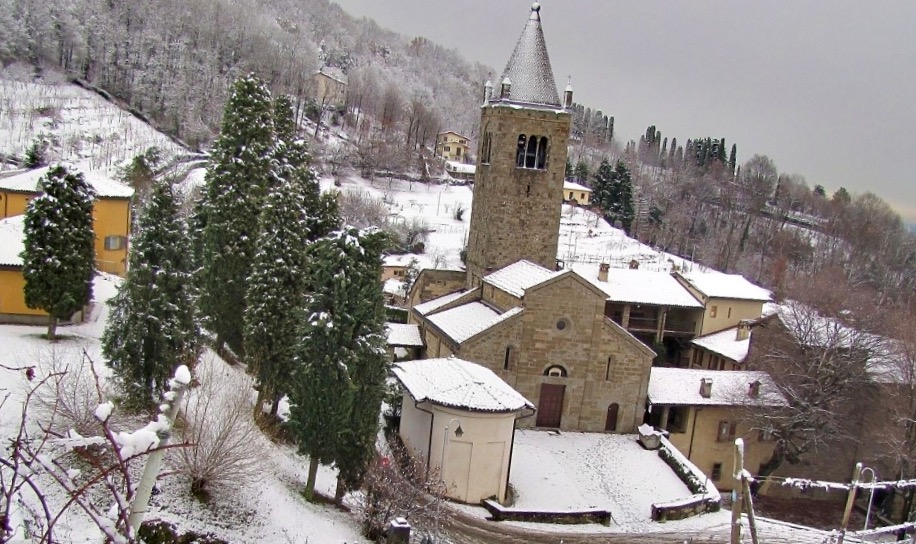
(744,330)
(602,271)
(705,387)
(753,389)
(634,264)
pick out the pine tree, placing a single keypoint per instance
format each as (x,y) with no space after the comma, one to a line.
(240,173)
(152,328)
(601,185)
(292,217)
(621,206)
(340,370)
(581,173)
(733,158)
(59,254)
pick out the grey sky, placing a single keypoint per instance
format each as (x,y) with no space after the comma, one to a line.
(825,88)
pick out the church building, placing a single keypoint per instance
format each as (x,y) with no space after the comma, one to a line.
(542,330)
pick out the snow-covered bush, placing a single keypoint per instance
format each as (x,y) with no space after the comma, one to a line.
(224,445)
(69,398)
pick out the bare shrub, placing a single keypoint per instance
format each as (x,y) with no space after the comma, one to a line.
(400,486)
(224,445)
(71,394)
(360,209)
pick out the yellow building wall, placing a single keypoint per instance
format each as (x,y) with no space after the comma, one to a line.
(111,217)
(583,198)
(13,203)
(705,450)
(12,294)
(722,313)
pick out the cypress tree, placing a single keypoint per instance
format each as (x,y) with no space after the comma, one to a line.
(621,207)
(239,174)
(292,216)
(59,254)
(152,328)
(601,185)
(733,158)
(581,173)
(339,362)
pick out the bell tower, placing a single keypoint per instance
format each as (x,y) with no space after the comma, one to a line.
(521,162)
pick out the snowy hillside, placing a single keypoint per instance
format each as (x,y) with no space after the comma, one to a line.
(78,126)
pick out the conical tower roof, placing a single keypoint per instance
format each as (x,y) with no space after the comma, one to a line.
(529,67)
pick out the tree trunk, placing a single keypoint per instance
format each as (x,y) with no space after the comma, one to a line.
(339,492)
(771,466)
(259,403)
(275,406)
(52,328)
(310,483)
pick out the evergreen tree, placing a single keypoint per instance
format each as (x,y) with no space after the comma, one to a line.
(581,173)
(293,215)
(621,205)
(601,185)
(819,191)
(569,169)
(733,158)
(340,367)
(152,328)
(59,254)
(239,174)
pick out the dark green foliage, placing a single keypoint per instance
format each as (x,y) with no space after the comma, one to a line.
(240,173)
(733,157)
(341,357)
(819,191)
(581,172)
(153,327)
(59,254)
(139,173)
(569,168)
(841,196)
(613,193)
(36,154)
(293,215)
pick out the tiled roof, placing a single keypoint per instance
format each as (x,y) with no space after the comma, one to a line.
(432,305)
(12,240)
(639,286)
(719,285)
(520,276)
(459,384)
(403,334)
(529,68)
(27,182)
(468,320)
(726,344)
(681,387)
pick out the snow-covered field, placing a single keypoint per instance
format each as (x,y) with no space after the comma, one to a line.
(82,126)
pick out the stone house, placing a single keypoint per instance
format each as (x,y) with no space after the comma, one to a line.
(329,87)
(727,298)
(704,412)
(545,333)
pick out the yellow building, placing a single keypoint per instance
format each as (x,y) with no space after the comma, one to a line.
(728,298)
(576,193)
(330,87)
(704,412)
(452,146)
(110,213)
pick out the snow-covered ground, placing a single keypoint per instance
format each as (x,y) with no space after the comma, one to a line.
(85,128)
(578,471)
(267,509)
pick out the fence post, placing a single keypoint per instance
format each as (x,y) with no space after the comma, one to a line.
(398,532)
(737,492)
(850,501)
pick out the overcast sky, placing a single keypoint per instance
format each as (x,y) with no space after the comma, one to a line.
(826,88)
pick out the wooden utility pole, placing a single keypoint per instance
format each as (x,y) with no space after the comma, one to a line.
(850,501)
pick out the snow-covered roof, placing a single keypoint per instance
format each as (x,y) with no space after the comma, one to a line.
(681,387)
(468,320)
(573,186)
(12,240)
(403,334)
(334,73)
(393,286)
(27,182)
(453,132)
(432,305)
(460,167)
(458,384)
(529,68)
(726,344)
(520,276)
(398,260)
(720,285)
(639,286)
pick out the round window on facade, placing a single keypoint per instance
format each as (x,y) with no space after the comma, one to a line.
(562,324)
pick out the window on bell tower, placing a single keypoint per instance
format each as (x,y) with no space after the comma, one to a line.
(531,152)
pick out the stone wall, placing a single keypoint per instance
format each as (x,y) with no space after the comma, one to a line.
(434,283)
(526,201)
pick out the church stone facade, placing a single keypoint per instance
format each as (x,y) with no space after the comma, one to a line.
(541,330)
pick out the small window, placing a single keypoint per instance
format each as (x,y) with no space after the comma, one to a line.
(610,365)
(713,310)
(520,152)
(677,419)
(448,148)
(541,162)
(555,371)
(562,324)
(726,431)
(570,195)
(508,360)
(729,313)
(531,152)
(716,472)
(114,243)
